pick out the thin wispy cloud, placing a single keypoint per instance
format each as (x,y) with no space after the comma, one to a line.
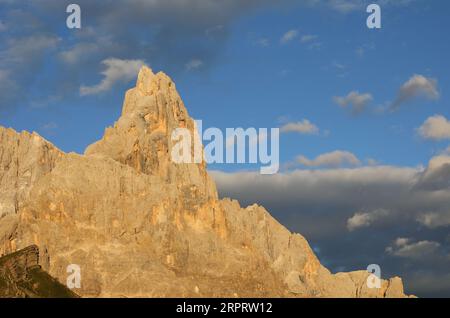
(289,36)
(173,26)
(346,6)
(363,49)
(194,64)
(263,42)
(50,126)
(308,38)
(404,247)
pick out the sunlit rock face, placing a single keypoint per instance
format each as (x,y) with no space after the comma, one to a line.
(140,225)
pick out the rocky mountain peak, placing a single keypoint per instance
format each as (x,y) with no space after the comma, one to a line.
(140,225)
(142,137)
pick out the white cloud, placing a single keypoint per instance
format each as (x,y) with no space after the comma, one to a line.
(319,203)
(76,53)
(302,127)
(336,158)
(22,50)
(289,36)
(348,6)
(436,127)
(434,220)
(46,101)
(417,86)
(194,64)
(338,66)
(362,49)
(401,241)
(436,177)
(116,71)
(263,42)
(345,6)
(365,219)
(355,100)
(50,126)
(308,38)
(418,250)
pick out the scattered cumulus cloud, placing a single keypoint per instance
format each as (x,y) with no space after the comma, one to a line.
(417,86)
(364,219)
(436,127)
(336,158)
(304,127)
(405,248)
(116,70)
(175,32)
(436,176)
(356,101)
(322,204)
(434,220)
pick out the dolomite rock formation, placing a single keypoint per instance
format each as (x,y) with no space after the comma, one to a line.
(140,225)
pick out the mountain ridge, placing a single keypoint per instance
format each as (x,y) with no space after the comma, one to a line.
(141,226)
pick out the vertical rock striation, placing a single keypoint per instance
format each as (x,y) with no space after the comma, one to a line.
(140,225)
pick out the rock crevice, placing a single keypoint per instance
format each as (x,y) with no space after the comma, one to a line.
(139,225)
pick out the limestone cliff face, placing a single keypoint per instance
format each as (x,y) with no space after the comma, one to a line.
(141,138)
(140,225)
(24,158)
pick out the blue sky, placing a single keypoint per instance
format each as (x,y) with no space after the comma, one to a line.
(233,69)
(257,81)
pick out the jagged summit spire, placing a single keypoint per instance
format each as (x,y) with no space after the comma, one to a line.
(142,136)
(145,77)
(149,83)
(141,225)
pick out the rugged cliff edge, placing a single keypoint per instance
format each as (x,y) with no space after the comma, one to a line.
(140,225)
